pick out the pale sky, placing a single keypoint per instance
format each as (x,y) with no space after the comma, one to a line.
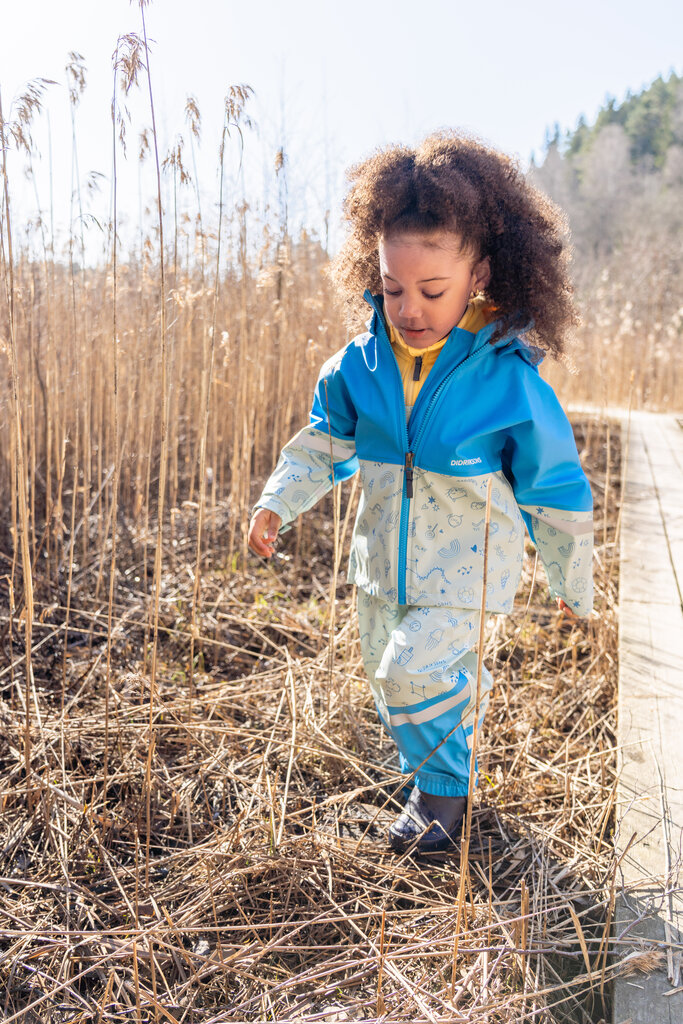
(332,81)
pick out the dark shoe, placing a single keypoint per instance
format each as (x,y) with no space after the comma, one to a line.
(422,828)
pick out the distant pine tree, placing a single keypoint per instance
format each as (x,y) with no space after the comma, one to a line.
(652,120)
(580,138)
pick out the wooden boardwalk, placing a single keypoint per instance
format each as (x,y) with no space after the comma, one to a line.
(649,910)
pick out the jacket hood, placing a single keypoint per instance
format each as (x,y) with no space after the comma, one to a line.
(531,354)
(512,342)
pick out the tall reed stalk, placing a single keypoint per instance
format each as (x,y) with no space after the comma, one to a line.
(464,881)
(19,466)
(207,387)
(115,400)
(163,456)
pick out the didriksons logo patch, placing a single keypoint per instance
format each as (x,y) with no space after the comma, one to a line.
(465,462)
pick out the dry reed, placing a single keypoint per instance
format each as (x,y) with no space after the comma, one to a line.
(263,902)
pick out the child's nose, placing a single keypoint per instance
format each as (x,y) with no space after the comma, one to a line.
(410,307)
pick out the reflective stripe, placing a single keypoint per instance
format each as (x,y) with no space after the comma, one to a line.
(580,524)
(309,437)
(433,711)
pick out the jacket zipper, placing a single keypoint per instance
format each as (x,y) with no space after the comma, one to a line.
(409,463)
(409,458)
(408,476)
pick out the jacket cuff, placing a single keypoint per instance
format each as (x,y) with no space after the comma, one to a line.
(274,504)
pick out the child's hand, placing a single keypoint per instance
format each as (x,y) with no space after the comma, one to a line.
(263,530)
(566,609)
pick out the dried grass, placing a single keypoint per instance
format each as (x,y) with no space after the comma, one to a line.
(272,894)
(204,842)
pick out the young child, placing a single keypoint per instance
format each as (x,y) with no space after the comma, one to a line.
(463,266)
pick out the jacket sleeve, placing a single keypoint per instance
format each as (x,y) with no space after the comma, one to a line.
(542,464)
(322,453)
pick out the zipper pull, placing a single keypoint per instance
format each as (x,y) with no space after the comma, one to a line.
(409,474)
(418,368)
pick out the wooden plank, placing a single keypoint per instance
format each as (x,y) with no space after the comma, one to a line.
(640,998)
(649,911)
(667,462)
(645,559)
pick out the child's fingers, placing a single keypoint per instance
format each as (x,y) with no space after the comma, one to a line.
(259,545)
(263,531)
(258,528)
(566,609)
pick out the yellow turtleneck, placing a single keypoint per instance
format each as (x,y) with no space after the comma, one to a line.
(415,363)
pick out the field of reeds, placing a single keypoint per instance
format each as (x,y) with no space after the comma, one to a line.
(193,782)
(210,846)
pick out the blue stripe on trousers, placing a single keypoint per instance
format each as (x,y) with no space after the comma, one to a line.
(422,672)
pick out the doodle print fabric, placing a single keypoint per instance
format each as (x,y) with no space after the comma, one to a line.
(423,675)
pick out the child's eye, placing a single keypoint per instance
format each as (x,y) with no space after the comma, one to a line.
(437,296)
(387,292)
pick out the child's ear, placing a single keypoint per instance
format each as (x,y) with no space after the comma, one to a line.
(481,275)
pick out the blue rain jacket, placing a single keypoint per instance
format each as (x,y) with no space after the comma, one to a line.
(483,411)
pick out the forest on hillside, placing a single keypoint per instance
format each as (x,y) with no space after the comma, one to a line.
(620,183)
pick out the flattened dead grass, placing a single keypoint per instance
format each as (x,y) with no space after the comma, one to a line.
(264,888)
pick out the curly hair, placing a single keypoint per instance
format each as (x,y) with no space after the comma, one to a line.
(456,183)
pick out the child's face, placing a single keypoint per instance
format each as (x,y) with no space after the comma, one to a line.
(427,282)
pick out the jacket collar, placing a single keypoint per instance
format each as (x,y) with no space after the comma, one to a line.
(511,342)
